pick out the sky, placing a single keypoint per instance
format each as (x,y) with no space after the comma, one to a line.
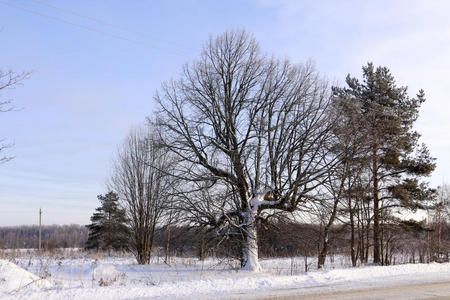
(97,64)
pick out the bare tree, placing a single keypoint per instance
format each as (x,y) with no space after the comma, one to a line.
(144,188)
(344,183)
(8,79)
(438,215)
(251,133)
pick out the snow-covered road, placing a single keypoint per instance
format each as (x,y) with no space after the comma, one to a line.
(440,290)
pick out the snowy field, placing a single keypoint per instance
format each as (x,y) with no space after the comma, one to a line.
(75,275)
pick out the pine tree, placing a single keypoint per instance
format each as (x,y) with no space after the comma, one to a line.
(108,229)
(397,160)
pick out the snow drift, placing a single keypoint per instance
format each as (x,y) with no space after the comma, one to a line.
(13,278)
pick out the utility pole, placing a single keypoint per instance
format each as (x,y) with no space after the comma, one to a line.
(40,228)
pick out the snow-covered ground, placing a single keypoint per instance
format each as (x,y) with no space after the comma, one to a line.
(27,276)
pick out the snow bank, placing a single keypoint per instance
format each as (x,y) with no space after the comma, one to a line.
(14,278)
(106,273)
(108,279)
(383,272)
(356,277)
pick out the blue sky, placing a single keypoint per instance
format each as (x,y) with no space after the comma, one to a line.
(93,81)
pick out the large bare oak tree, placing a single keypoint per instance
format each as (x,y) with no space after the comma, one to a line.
(251,133)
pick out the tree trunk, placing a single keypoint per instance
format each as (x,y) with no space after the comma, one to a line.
(352,237)
(361,235)
(250,244)
(376,210)
(166,260)
(325,241)
(323,252)
(202,248)
(144,241)
(383,244)
(367,243)
(386,261)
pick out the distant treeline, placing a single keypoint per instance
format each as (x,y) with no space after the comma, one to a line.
(406,240)
(279,240)
(53,236)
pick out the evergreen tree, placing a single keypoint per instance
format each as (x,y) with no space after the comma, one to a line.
(397,160)
(108,229)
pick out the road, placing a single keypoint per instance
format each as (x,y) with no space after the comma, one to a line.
(439,290)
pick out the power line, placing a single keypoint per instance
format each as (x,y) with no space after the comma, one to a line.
(99,21)
(116,36)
